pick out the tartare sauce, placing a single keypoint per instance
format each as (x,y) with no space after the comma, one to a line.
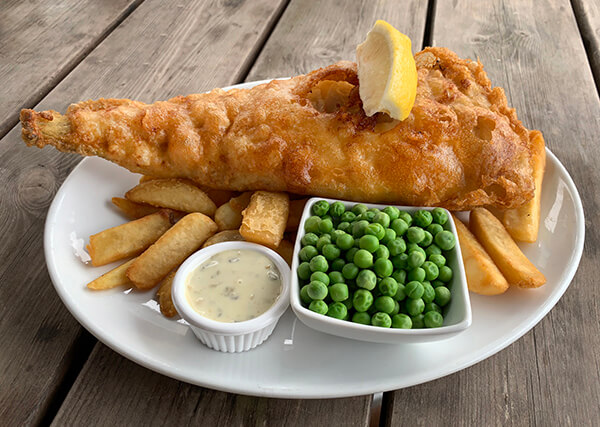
(233,286)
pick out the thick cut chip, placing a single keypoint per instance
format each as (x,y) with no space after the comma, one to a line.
(113,278)
(228,218)
(240,202)
(265,218)
(224,236)
(513,264)
(129,239)
(177,194)
(179,242)
(132,209)
(483,276)
(165,301)
(286,250)
(523,222)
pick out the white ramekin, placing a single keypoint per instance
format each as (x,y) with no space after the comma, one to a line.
(231,337)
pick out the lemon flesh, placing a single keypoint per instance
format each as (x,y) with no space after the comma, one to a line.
(386,72)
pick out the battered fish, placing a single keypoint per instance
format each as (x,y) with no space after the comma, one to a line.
(461,147)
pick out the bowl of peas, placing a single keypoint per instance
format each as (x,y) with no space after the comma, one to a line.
(379,273)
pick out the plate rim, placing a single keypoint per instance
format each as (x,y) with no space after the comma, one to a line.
(146,361)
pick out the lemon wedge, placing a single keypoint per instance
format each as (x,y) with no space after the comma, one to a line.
(387,72)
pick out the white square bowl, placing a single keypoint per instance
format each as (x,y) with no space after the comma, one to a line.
(456,319)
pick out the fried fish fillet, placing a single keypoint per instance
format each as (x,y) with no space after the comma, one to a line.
(461,147)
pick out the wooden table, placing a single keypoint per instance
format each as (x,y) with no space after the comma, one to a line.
(545,53)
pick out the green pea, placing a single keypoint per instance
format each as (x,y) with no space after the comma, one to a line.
(422,218)
(388,286)
(383,267)
(382,252)
(433,250)
(368,215)
(438,260)
(418,321)
(400,293)
(401,321)
(358,228)
(307,253)
(385,304)
(433,319)
(335,234)
(428,292)
(382,218)
(369,243)
(304,271)
(318,306)
(366,279)
(389,236)
(431,306)
(396,309)
(400,261)
(376,230)
(337,265)
(363,258)
(362,300)
(335,277)
(415,306)
(359,209)
(432,271)
(345,241)
(392,212)
(427,240)
(357,242)
(415,234)
(325,239)
(397,246)
(337,310)
(399,276)
(319,263)
(434,229)
(337,209)
(348,303)
(437,283)
(414,290)
(400,226)
(350,271)
(351,252)
(344,226)
(331,252)
(324,217)
(320,208)
(415,260)
(325,226)
(375,210)
(309,239)
(348,216)
(442,296)
(304,297)
(319,276)
(445,240)
(339,292)
(312,224)
(406,217)
(445,274)
(383,320)
(416,274)
(440,216)
(362,318)
(317,290)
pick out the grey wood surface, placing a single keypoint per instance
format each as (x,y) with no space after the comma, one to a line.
(550,376)
(588,19)
(279,48)
(40,42)
(156,53)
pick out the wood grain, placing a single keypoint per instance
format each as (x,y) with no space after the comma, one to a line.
(551,376)
(588,18)
(112,390)
(143,58)
(41,42)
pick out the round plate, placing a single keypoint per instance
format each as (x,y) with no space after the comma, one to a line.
(296,361)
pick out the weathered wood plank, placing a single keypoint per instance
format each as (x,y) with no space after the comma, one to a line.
(116,391)
(588,18)
(551,376)
(41,42)
(183,404)
(158,52)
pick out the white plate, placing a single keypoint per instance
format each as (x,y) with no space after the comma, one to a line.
(296,361)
